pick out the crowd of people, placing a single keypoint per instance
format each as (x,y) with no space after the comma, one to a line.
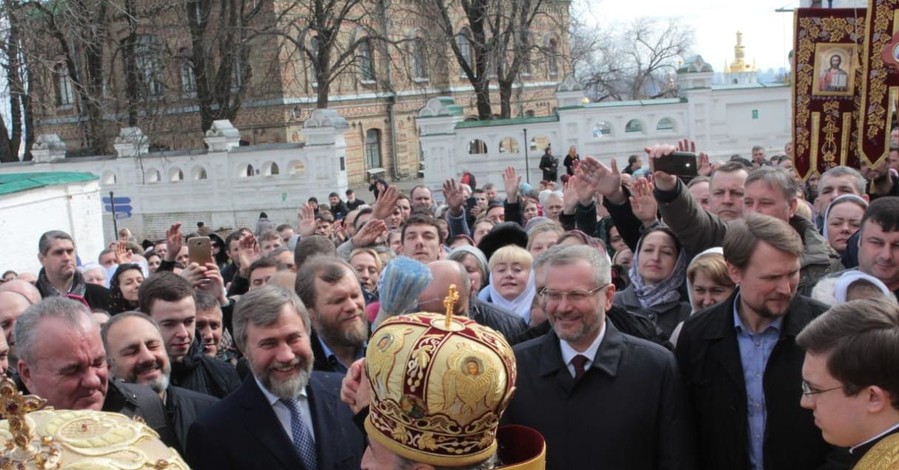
(739,319)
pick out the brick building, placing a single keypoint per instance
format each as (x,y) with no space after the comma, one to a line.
(379,92)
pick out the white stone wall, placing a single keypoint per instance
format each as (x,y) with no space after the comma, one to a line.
(225,188)
(24,216)
(723,120)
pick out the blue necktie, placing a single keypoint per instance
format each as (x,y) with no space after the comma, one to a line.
(302,438)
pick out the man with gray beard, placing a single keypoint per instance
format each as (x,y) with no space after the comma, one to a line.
(329,288)
(284,416)
(136,354)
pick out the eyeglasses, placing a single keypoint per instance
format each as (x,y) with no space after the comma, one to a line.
(810,391)
(573,296)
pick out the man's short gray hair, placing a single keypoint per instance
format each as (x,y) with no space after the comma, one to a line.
(27,330)
(261,308)
(571,254)
(777,178)
(837,171)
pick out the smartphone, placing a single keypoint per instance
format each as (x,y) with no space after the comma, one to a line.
(199,250)
(682,164)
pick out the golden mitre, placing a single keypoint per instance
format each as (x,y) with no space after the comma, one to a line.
(439,386)
(46,439)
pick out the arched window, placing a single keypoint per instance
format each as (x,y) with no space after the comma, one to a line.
(250,171)
(601,128)
(477,147)
(109,178)
(296,168)
(175,175)
(633,126)
(419,60)
(373,148)
(552,58)
(65,93)
(270,169)
(366,61)
(152,175)
(464,44)
(148,64)
(188,79)
(198,173)
(508,145)
(665,124)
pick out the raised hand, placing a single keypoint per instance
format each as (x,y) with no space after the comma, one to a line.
(247,252)
(511,181)
(306,220)
(603,179)
(569,196)
(214,283)
(454,196)
(584,191)
(643,204)
(705,167)
(383,207)
(355,390)
(173,240)
(663,181)
(686,145)
(368,234)
(122,253)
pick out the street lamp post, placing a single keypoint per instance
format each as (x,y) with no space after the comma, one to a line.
(527,170)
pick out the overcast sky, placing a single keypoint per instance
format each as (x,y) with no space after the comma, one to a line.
(767,34)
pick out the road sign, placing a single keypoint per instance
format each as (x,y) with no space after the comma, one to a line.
(117,201)
(118,208)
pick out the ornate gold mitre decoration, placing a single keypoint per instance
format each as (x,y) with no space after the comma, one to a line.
(75,439)
(439,386)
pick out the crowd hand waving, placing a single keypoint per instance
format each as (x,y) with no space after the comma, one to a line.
(663,181)
(122,253)
(643,204)
(355,389)
(454,196)
(385,204)
(585,192)
(369,233)
(306,220)
(512,182)
(173,240)
(569,196)
(247,252)
(603,179)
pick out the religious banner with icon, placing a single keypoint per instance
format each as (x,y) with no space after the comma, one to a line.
(828,79)
(880,90)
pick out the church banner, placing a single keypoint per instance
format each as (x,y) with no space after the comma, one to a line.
(880,90)
(828,79)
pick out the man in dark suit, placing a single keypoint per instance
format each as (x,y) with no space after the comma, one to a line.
(284,416)
(740,361)
(601,398)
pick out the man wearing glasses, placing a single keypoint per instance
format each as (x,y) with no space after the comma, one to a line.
(601,398)
(850,380)
(740,361)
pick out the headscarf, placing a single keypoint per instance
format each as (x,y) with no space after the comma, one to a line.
(476,253)
(520,305)
(837,201)
(666,291)
(715,250)
(849,277)
(400,284)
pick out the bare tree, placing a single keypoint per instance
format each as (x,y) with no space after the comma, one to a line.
(634,62)
(493,41)
(21,113)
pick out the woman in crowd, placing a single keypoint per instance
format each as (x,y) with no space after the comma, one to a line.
(657,274)
(123,288)
(482,227)
(707,280)
(475,264)
(367,265)
(571,160)
(511,283)
(543,236)
(153,261)
(842,219)
(529,210)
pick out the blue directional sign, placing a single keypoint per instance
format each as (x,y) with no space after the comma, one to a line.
(120,205)
(116,200)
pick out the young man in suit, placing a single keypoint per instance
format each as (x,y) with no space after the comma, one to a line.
(849,379)
(284,416)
